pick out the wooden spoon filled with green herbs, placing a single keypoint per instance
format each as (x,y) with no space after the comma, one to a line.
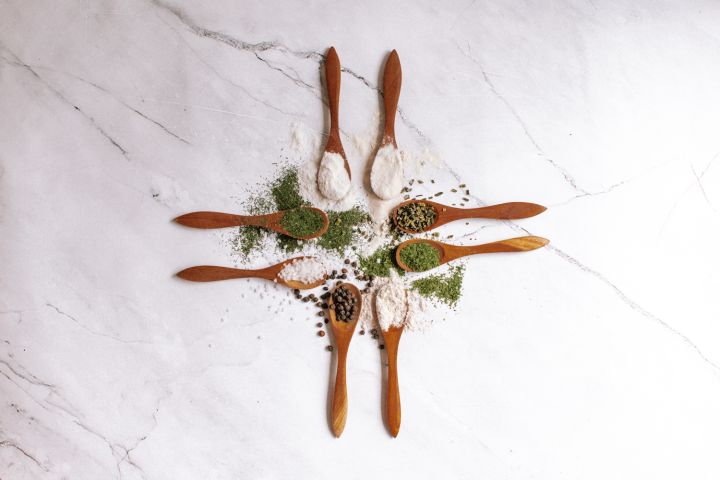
(302,222)
(419,255)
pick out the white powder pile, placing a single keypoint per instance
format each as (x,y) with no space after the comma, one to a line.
(386,176)
(305,270)
(333,180)
(391,305)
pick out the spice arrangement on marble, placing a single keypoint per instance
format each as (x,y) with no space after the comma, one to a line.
(280,216)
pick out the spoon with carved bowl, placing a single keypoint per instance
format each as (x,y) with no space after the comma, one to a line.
(446,214)
(210,273)
(447,252)
(343,333)
(272,221)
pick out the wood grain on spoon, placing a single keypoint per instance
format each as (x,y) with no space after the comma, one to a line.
(452,252)
(270,221)
(445,214)
(211,273)
(392,400)
(332,80)
(343,333)
(392,81)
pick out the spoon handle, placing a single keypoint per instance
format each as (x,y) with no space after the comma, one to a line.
(332,79)
(392,81)
(519,244)
(392,404)
(340,401)
(505,211)
(209,273)
(218,220)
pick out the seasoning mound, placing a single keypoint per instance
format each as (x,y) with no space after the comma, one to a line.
(305,270)
(380,262)
(420,256)
(302,222)
(333,179)
(416,216)
(343,303)
(386,175)
(391,305)
(445,288)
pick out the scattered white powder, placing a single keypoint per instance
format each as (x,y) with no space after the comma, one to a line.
(386,176)
(333,180)
(391,305)
(305,270)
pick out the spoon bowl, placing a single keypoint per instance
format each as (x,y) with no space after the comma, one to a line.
(446,214)
(449,252)
(211,273)
(342,333)
(271,221)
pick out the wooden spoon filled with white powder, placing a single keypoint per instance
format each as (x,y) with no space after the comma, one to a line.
(333,175)
(386,175)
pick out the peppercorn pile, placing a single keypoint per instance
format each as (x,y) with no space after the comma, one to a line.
(343,304)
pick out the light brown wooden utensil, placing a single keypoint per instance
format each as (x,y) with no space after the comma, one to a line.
(392,399)
(343,333)
(392,81)
(452,252)
(210,273)
(270,221)
(332,80)
(446,214)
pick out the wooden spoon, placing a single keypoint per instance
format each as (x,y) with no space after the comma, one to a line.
(210,273)
(452,252)
(445,214)
(392,400)
(332,80)
(392,81)
(270,221)
(343,333)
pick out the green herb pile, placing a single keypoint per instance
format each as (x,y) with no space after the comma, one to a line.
(301,222)
(344,228)
(416,216)
(420,256)
(445,288)
(381,262)
(283,193)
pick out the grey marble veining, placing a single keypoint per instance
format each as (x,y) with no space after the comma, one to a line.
(597,357)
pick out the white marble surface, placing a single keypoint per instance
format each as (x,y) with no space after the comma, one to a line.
(596,358)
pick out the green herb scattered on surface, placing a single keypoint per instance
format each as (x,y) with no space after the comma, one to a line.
(342,229)
(445,288)
(301,222)
(416,216)
(285,190)
(247,240)
(381,262)
(420,256)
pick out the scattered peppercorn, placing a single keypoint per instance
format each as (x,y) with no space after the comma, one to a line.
(321,333)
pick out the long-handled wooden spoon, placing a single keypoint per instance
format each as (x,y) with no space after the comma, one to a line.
(449,252)
(332,80)
(272,221)
(210,273)
(343,333)
(392,81)
(389,160)
(445,214)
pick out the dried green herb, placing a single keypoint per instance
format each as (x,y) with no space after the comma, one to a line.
(445,288)
(301,222)
(342,229)
(381,262)
(416,216)
(420,256)
(285,190)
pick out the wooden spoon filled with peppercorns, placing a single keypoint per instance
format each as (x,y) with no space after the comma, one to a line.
(344,310)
